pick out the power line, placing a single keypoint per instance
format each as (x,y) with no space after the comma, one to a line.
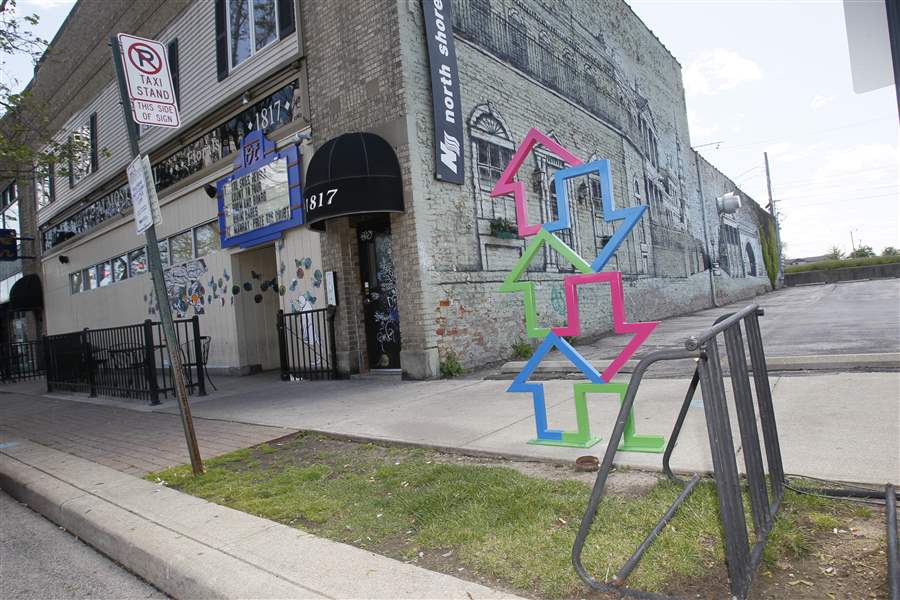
(832,201)
(852,189)
(813,132)
(789,181)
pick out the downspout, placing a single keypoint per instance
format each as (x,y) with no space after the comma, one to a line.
(712,281)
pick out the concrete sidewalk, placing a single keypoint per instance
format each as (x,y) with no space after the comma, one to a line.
(191,548)
(836,426)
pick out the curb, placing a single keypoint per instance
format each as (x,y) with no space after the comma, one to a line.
(190,548)
(824,362)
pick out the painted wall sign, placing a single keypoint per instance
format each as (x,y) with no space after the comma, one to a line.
(275,110)
(448,123)
(262,197)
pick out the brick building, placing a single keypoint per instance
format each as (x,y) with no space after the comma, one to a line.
(416,260)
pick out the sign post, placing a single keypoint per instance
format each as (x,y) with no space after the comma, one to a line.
(142,58)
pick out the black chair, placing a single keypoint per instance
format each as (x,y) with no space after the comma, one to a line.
(185,348)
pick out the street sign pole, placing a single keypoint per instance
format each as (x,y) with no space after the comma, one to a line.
(156,273)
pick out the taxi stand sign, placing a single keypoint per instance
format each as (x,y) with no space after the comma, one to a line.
(143,194)
(149,81)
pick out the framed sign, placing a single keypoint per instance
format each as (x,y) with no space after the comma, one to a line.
(262,196)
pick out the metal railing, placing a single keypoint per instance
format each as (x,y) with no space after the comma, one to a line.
(587,79)
(306,344)
(766,493)
(21,361)
(130,361)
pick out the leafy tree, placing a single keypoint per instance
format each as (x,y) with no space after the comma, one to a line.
(26,133)
(890,251)
(770,251)
(835,253)
(862,252)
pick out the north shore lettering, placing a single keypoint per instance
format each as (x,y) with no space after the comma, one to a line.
(446,73)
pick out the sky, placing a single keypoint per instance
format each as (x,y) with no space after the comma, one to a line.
(760,76)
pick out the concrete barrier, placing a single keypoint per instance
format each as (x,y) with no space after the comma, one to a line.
(845,274)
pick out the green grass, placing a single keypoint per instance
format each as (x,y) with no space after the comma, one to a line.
(497,521)
(843,263)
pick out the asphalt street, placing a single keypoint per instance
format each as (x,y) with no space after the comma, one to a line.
(40,561)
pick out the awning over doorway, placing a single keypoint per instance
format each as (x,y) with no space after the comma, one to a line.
(355,173)
(26,294)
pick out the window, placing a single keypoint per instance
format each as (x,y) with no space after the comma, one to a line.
(10,195)
(120,268)
(44,191)
(104,274)
(90,278)
(75,282)
(492,148)
(83,151)
(492,159)
(206,239)
(164,253)
(137,261)
(252,25)
(9,217)
(182,248)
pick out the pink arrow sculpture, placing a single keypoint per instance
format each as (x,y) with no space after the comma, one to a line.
(641,331)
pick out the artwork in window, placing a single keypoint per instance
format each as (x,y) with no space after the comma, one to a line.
(120,268)
(90,278)
(206,239)
(137,261)
(104,274)
(75,282)
(164,253)
(182,248)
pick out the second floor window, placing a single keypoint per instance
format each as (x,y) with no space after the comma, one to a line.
(83,151)
(43,186)
(252,25)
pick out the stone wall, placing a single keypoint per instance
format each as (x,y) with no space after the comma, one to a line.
(664,261)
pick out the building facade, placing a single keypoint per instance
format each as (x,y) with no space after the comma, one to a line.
(415,261)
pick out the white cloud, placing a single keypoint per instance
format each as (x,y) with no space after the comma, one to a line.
(47,4)
(819,102)
(698,130)
(714,71)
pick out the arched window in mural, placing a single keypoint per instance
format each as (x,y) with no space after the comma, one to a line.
(518,40)
(492,149)
(752,258)
(570,75)
(549,66)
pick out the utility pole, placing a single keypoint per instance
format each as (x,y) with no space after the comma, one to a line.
(852,243)
(774,212)
(156,274)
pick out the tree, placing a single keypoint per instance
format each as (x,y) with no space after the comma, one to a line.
(835,253)
(770,251)
(26,134)
(862,252)
(890,251)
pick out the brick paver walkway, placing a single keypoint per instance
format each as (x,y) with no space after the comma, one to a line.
(125,440)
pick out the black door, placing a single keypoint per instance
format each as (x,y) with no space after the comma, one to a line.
(379,289)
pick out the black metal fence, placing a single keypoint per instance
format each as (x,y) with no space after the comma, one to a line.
(765,493)
(21,361)
(129,361)
(306,344)
(588,79)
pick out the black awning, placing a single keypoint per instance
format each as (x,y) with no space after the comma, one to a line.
(352,174)
(26,294)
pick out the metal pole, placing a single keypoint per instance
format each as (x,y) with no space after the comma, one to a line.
(774,213)
(852,243)
(159,286)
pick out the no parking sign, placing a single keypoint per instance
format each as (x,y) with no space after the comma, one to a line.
(149,82)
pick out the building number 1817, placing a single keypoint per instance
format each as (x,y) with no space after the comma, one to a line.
(321,199)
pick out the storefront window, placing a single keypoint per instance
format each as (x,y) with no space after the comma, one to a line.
(120,268)
(206,239)
(137,261)
(90,278)
(75,282)
(104,274)
(252,25)
(164,253)
(181,247)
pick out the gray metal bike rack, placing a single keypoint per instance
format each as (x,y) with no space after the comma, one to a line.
(766,494)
